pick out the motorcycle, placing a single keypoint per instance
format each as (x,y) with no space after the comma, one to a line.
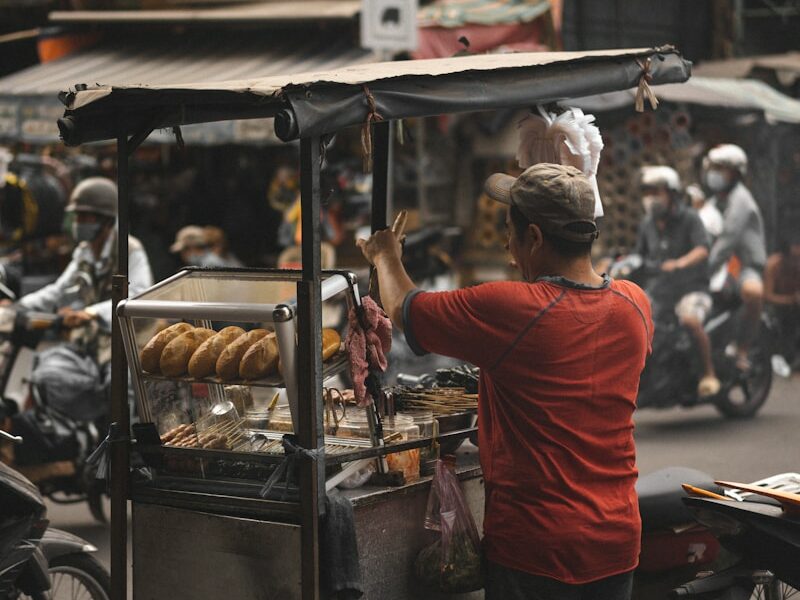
(673,371)
(675,547)
(54,455)
(37,561)
(763,539)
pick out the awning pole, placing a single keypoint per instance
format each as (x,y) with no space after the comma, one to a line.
(309,368)
(120,415)
(380,174)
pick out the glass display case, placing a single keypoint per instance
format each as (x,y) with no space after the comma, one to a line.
(209,301)
(230,410)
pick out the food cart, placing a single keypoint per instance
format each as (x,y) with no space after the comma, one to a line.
(200,527)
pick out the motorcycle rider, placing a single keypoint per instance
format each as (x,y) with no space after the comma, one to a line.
(673,239)
(82,293)
(193,246)
(742,236)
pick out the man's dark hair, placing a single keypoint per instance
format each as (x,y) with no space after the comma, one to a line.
(566,248)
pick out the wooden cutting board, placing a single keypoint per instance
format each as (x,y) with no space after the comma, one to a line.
(789,502)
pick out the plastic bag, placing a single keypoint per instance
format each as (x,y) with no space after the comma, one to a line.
(453,563)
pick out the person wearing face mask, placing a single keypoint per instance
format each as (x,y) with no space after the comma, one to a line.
(674,244)
(82,293)
(560,354)
(742,237)
(192,245)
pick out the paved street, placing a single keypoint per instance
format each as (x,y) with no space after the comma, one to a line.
(699,438)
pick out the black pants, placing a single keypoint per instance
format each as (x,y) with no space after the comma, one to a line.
(508,584)
(787,323)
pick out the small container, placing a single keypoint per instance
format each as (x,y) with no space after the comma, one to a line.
(401,428)
(241,396)
(354,424)
(428,428)
(281,419)
(257,419)
(400,424)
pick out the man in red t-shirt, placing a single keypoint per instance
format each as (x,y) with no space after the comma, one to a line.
(560,356)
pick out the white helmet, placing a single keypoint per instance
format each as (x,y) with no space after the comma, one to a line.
(727,155)
(661,176)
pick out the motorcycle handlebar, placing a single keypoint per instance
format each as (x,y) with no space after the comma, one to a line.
(11,438)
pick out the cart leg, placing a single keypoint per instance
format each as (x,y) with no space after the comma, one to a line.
(309,329)
(119,392)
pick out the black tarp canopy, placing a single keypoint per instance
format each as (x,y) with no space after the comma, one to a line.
(318,103)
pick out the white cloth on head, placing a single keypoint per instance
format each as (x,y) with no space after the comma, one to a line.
(570,138)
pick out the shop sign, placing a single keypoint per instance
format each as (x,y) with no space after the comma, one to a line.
(9,118)
(389,24)
(38,120)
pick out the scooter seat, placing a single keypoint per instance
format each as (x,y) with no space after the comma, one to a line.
(660,496)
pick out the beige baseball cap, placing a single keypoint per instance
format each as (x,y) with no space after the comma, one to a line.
(558,198)
(189,236)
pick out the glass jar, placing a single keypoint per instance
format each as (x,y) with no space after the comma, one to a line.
(281,419)
(401,428)
(354,424)
(428,428)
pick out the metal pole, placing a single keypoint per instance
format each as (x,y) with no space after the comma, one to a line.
(379,219)
(380,174)
(309,368)
(120,415)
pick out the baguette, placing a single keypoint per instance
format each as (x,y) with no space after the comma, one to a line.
(204,360)
(331,342)
(228,362)
(176,354)
(261,359)
(150,356)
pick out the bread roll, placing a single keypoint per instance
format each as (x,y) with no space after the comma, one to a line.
(228,362)
(204,360)
(331,342)
(150,355)
(176,354)
(261,359)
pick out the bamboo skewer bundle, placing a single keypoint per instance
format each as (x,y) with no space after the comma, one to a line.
(442,401)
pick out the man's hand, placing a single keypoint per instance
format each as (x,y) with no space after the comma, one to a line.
(669,266)
(75,318)
(381,245)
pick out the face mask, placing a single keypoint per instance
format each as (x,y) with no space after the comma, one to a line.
(85,232)
(653,206)
(716,181)
(659,210)
(200,259)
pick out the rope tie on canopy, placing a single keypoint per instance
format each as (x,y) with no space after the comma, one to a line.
(366,129)
(644,90)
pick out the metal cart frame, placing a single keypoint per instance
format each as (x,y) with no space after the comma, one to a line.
(310,107)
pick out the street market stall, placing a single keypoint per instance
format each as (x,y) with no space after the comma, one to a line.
(204,523)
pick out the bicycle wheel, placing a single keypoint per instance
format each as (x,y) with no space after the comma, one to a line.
(79,577)
(776,590)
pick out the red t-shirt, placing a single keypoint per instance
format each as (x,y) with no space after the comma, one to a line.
(560,366)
